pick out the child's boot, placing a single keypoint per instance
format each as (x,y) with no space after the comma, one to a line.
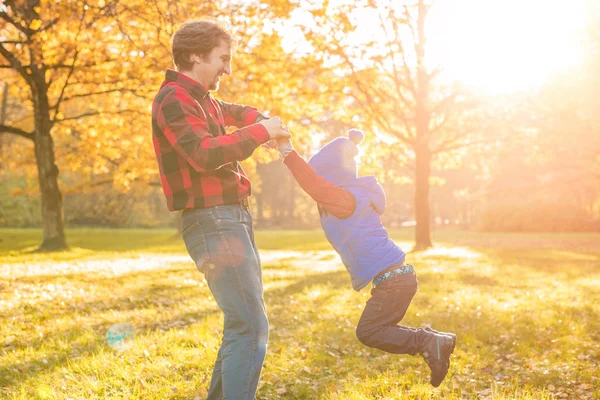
(436,351)
(450,335)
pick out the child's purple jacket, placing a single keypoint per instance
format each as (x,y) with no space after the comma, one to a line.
(361,240)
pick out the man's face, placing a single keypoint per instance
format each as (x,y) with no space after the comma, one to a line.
(217,63)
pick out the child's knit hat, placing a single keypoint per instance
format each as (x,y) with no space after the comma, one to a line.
(335,161)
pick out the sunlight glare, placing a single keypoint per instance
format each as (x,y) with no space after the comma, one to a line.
(453,252)
(505,46)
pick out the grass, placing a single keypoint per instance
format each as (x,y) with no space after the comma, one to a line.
(525,308)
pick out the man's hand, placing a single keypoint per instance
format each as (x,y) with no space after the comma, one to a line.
(275,128)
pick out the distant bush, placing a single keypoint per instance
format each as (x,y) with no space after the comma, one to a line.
(19,211)
(111,208)
(536,216)
(106,207)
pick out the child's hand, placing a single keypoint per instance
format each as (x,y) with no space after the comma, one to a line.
(285,147)
(275,128)
(271,144)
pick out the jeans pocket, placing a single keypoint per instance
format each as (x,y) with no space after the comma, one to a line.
(195,243)
(227,212)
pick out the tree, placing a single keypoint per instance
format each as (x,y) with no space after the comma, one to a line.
(568,125)
(84,74)
(62,55)
(398,94)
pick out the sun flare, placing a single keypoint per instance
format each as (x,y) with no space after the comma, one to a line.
(505,46)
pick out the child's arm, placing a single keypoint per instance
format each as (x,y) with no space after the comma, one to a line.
(332,198)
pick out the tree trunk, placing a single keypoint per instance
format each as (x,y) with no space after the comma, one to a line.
(422,210)
(51,199)
(3,104)
(422,152)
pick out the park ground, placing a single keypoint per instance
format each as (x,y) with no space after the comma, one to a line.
(525,307)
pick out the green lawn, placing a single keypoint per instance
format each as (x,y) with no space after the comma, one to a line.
(525,307)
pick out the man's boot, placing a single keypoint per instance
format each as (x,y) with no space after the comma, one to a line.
(436,351)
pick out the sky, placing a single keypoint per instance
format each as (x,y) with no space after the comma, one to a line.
(508,45)
(499,46)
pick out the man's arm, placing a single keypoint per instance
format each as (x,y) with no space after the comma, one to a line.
(185,126)
(239,115)
(334,199)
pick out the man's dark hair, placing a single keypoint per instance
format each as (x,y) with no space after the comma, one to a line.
(196,37)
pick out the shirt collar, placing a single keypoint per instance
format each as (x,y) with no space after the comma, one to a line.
(195,88)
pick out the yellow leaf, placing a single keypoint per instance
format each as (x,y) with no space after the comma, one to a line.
(35,24)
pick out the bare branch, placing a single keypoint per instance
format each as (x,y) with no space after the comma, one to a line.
(440,125)
(443,107)
(15,63)
(371,102)
(68,66)
(91,113)
(49,25)
(62,92)
(17,131)
(13,42)
(399,84)
(157,25)
(87,94)
(94,64)
(450,140)
(7,18)
(71,70)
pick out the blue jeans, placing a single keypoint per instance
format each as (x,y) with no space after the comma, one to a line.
(220,240)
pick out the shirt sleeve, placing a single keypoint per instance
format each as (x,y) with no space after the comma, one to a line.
(334,199)
(239,115)
(184,124)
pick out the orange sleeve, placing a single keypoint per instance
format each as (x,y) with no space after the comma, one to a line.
(334,199)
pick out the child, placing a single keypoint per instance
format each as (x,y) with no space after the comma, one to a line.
(350,207)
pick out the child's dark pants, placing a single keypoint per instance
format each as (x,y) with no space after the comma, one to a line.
(378,326)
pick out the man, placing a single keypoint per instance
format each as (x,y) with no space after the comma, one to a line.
(201,175)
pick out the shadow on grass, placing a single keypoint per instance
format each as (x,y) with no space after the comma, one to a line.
(148,296)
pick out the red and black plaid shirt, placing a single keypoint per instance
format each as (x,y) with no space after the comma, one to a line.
(198,162)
